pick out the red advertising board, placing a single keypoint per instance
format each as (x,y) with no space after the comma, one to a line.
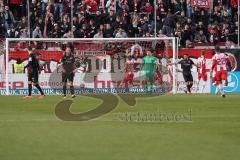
(204,4)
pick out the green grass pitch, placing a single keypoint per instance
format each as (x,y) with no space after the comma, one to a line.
(30,130)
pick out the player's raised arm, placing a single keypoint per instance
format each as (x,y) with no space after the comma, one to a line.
(193,63)
(30,58)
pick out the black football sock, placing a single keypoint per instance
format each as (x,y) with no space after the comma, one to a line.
(64,90)
(39,88)
(29,89)
(72,90)
(189,87)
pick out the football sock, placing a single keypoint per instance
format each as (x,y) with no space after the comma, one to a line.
(217,89)
(203,86)
(189,86)
(29,89)
(221,88)
(64,89)
(72,90)
(197,85)
(39,88)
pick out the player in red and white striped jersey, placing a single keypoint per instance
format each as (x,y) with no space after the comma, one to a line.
(219,64)
(158,75)
(214,80)
(202,71)
(129,72)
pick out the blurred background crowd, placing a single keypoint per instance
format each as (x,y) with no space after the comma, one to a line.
(121,18)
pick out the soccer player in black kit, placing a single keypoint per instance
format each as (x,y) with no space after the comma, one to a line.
(68,67)
(33,68)
(186,65)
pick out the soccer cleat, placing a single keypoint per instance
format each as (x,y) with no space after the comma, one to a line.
(197,90)
(64,96)
(27,97)
(223,96)
(41,96)
(226,83)
(185,91)
(73,96)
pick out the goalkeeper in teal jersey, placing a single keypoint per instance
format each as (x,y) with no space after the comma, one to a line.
(148,68)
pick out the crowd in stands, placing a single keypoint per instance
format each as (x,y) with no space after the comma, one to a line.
(121,18)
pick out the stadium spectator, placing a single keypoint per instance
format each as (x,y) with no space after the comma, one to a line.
(37,32)
(18,67)
(99,34)
(92,6)
(24,33)
(189,8)
(76,33)
(2,22)
(58,7)
(9,18)
(135,18)
(178,30)
(169,24)
(13,33)
(147,8)
(200,37)
(108,32)
(110,5)
(121,33)
(187,39)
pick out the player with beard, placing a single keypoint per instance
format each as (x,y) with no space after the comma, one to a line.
(68,68)
(186,65)
(33,68)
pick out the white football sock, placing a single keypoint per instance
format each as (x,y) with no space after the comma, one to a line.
(217,89)
(203,86)
(221,88)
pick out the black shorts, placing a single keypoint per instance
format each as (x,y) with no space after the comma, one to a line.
(67,77)
(33,77)
(188,77)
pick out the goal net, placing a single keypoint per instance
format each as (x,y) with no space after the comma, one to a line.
(106,65)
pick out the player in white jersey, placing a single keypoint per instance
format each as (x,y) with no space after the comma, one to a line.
(214,81)
(136,50)
(128,72)
(202,71)
(219,64)
(158,74)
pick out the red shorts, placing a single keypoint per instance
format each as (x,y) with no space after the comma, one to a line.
(202,76)
(128,77)
(213,79)
(158,76)
(221,75)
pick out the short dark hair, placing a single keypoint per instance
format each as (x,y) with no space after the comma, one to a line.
(19,61)
(217,48)
(29,48)
(203,52)
(38,54)
(186,54)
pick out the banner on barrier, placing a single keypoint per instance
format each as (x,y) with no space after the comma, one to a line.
(51,83)
(233,83)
